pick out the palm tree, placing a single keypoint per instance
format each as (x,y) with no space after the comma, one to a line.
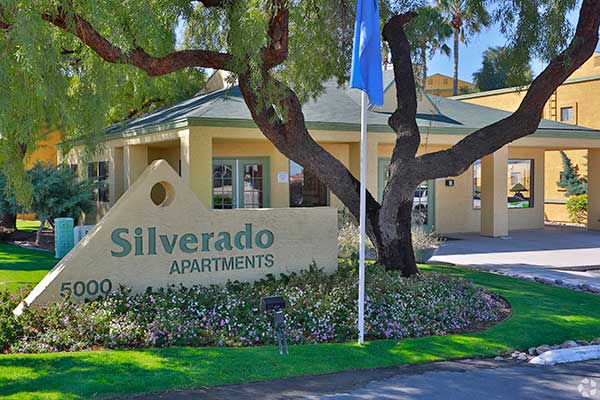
(428,33)
(466,18)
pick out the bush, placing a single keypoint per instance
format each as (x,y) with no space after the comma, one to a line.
(321,308)
(349,236)
(577,208)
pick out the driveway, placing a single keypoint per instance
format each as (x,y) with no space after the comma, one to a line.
(556,252)
(452,380)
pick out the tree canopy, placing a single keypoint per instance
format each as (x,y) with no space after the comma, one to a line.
(501,69)
(64,61)
(570,180)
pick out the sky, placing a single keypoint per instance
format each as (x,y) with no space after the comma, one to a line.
(471,55)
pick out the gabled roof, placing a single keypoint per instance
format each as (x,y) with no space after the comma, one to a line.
(338,108)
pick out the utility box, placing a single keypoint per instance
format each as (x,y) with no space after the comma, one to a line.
(64,238)
(82,231)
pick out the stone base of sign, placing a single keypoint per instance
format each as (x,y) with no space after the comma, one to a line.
(159,233)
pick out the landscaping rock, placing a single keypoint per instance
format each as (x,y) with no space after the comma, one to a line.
(568,355)
(568,344)
(559,282)
(545,281)
(594,288)
(498,358)
(595,341)
(542,349)
(532,351)
(583,343)
(522,357)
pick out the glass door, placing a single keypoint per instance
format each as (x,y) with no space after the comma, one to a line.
(240,183)
(224,190)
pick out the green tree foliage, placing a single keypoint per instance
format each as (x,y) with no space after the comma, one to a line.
(502,68)
(57,193)
(570,180)
(51,79)
(8,206)
(466,18)
(577,207)
(428,34)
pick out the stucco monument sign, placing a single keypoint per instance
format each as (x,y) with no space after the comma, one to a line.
(159,233)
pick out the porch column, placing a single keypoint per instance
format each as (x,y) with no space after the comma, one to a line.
(196,164)
(593,189)
(494,194)
(116,174)
(135,161)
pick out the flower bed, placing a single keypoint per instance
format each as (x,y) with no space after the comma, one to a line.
(320,309)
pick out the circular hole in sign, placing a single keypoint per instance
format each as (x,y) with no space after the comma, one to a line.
(162,194)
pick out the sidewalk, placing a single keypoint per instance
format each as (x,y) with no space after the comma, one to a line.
(565,253)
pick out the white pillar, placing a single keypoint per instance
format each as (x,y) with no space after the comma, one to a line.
(594,189)
(494,194)
(135,161)
(116,174)
(196,164)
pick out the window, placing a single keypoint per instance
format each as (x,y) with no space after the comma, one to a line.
(98,176)
(306,190)
(240,183)
(477,185)
(519,183)
(520,188)
(566,114)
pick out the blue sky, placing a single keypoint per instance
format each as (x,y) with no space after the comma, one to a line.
(470,55)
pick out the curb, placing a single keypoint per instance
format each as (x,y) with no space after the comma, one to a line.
(563,356)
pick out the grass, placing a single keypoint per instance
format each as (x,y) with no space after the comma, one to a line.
(20,267)
(541,314)
(27,226)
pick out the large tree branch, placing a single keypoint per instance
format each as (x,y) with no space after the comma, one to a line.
(525,120)
(398,193)
(274,54)
(293,140)
(153,66)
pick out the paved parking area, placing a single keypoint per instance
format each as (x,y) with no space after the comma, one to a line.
(451,380)
(556,252)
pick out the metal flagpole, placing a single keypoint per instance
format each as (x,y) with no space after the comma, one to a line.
(363,218)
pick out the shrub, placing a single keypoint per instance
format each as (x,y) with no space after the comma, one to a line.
(349,236)
(423,239)
(321,308)
(577,208)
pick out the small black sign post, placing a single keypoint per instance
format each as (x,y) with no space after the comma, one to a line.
(275,305)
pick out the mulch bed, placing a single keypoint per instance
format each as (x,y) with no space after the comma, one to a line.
(27,239)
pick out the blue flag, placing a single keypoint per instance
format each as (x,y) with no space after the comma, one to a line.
(367,73)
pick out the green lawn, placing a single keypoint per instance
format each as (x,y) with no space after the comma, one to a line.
(19,267)
(541,314)
(27,226)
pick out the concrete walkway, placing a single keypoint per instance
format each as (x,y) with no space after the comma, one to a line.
(556,252)
(459,380)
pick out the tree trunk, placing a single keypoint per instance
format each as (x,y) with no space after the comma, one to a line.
(8,220)
(456,43)
(38,233)
(394,247)
(424,65)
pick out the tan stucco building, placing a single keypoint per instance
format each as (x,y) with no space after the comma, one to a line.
(575,102)
(212,142)
(443,85)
